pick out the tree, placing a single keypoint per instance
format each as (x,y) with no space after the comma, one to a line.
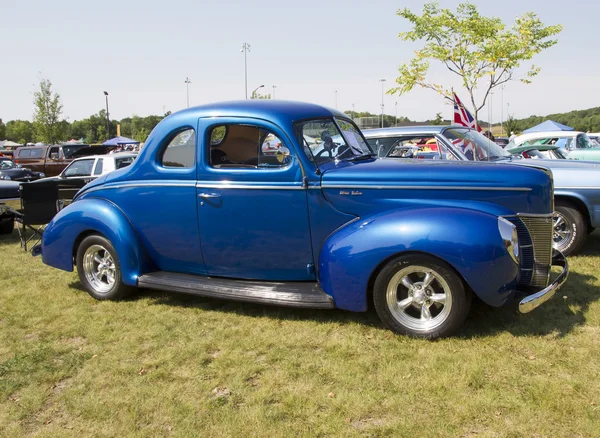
(20,131)
(46,116)
(511,125)
(439,120)
(2,130)
(480,50)
(257,95)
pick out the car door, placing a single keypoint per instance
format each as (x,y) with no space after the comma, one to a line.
(252,203)
(55,161)
(74,177)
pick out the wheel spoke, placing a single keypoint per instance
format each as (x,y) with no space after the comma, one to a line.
(438,298)
(97,258)
(562,233)
(425,313)
(558,221)
(407,282)
(405,303)
(110,277)
(428,279)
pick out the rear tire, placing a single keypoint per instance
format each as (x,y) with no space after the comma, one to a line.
(421,296)
(99,269)
(570,228)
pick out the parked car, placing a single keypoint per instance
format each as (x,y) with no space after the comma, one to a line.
(578,144)
(83,170)
(334,228)
(542,151)
(501,141)
(576,183)
(10,171)
(52,159)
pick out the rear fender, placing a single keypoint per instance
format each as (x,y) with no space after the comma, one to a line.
(582,203)
(94,216)
(466,239)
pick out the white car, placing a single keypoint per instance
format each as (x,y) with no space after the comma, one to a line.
(85,169)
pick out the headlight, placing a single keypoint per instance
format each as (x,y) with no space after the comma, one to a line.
(4,177)
(508,232)
(42,175)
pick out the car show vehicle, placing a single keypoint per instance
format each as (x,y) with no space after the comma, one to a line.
(541,151)
(83,170)
(578,144)
(9,199)
(576,183)
(10,171)
(204,211)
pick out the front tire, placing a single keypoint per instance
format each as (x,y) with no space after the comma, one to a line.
(421,296)
(99,269)
(570,228)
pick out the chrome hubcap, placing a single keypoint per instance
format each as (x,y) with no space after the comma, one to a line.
(99,268)
(562,231)
(419,298)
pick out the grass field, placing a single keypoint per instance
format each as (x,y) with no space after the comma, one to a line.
(162,364)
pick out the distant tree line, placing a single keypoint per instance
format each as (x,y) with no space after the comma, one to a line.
(587,120)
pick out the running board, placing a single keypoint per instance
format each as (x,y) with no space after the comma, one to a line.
(291,294)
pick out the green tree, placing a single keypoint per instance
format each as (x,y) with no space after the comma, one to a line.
(511,125)
(257,95)
(439,120)
(46,116)
(480,50)
(20,131)
(2,130)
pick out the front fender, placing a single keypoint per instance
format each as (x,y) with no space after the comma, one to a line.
(100,216)
(466,239)
(589,198)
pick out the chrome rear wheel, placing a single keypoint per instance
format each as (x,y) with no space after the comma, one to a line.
(99,268)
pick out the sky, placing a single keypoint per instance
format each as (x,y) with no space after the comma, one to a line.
(141,52)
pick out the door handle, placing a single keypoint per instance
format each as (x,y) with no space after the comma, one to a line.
(209,195)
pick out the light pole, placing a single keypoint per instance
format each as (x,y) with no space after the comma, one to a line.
(253,93)
(335,97)
(188,81)
(396,114)
(382,81)
(107,115)
(273,95)
(502,109)
(245,49)
(353,112)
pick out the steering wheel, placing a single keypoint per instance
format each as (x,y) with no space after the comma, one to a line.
(322,151)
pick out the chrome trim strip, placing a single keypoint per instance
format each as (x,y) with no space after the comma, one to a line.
(547,215)
(261,186)
(480,188)
(576,188)
(160,183)
(535,300)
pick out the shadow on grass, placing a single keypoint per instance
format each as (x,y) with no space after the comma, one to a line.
(554,317)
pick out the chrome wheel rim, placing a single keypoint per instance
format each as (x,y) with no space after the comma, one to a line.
(562,231)
(99,268)
(419,298)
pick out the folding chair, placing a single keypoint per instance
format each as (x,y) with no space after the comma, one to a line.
(39,204)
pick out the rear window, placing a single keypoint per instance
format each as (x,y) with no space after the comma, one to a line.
(30,153)
(123,162)
(71,149)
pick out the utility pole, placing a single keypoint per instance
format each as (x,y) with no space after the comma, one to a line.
(396,116)
(382,81)
(187,86)
(107,115)
(502,110)
(335,94)
(353,112)
(273,95)
(245,49)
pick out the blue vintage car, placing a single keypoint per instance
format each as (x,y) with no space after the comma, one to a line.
(576,182)
(319,223)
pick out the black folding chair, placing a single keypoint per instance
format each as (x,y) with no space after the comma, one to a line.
(39,204)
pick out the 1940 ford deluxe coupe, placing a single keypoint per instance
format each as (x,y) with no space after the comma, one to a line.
(285,203)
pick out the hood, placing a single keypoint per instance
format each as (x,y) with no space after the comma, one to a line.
(9,190)
(91,150)
(571,173)
(364,187)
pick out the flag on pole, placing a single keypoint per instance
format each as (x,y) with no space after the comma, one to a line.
(462,116)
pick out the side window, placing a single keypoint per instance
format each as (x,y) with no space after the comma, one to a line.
(79,168)
(24,153)
(181,150)
(53,153)
(245,146)
(98,168)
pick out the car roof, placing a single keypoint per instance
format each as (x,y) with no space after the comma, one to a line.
(406,130)
(273,110)
(557,134)
(539,147)
(118,155)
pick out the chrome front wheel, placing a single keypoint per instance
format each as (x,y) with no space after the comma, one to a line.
(562,231)
(422,296)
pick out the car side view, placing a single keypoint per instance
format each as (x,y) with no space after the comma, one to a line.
(316,222)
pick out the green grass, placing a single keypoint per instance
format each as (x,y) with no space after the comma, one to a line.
(162,364)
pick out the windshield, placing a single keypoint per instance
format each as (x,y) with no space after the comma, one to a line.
(71,149)
(583,142)
(323,140)
(6,164)
(474,145)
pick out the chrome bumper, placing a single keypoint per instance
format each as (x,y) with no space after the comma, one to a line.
(535,300)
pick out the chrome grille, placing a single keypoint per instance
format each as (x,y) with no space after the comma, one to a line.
(540,230)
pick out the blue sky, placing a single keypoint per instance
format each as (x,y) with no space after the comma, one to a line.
(142,51)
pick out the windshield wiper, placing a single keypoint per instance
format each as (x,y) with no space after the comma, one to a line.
(361,157)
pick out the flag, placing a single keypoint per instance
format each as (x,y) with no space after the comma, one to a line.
(463,117)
